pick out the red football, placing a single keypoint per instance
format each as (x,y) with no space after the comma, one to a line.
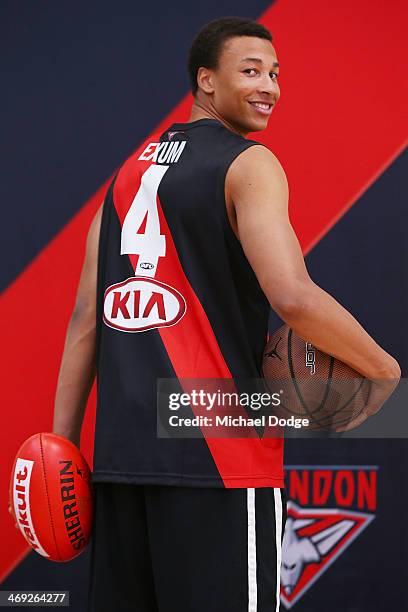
(51,496)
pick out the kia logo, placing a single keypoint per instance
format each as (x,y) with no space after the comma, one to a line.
(140,303)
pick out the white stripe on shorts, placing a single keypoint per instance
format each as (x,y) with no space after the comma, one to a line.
(252,584)
(278,533)
(252,581)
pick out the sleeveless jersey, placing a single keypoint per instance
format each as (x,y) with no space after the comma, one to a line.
(176,298)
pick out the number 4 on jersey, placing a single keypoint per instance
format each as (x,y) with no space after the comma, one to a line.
(151,244)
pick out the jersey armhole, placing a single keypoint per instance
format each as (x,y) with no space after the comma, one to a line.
(221,186)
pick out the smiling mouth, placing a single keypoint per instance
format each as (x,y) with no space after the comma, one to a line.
(262,107)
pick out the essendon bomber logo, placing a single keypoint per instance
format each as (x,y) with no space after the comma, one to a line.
(328,509)
(141,303)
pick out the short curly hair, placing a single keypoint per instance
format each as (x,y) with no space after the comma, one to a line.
(207,45)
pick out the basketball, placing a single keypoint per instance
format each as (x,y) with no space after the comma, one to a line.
(51,496)
(314,385)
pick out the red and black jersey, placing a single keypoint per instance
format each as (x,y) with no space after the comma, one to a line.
(176,298)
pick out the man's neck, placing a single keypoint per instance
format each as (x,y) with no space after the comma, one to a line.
(200,111)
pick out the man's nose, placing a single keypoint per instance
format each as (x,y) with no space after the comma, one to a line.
(270,87)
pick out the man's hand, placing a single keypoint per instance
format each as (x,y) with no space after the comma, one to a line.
(74,437)
(380,391)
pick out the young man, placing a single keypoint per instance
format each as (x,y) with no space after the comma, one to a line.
(190,249)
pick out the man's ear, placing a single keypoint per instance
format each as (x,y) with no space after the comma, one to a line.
(205,80)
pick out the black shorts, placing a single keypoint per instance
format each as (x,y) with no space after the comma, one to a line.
(180,549)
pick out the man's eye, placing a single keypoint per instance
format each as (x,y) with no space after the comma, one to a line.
(273,75)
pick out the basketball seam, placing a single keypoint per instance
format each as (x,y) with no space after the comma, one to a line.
(317,420)
(363,380)
(329,383)
(48,499)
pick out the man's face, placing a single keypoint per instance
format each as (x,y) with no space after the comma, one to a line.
(245,86)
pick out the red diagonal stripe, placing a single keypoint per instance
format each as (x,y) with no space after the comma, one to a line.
(194,351)
(338,124)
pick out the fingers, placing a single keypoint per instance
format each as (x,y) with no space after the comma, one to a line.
(354,423)
(371,410)
(377,399)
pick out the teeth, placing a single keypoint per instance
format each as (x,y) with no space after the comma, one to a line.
(261,105)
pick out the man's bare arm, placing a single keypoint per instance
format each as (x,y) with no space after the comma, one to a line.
(256,185)
(77,370)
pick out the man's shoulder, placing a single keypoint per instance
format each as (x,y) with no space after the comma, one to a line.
(256,157)
(256,164)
